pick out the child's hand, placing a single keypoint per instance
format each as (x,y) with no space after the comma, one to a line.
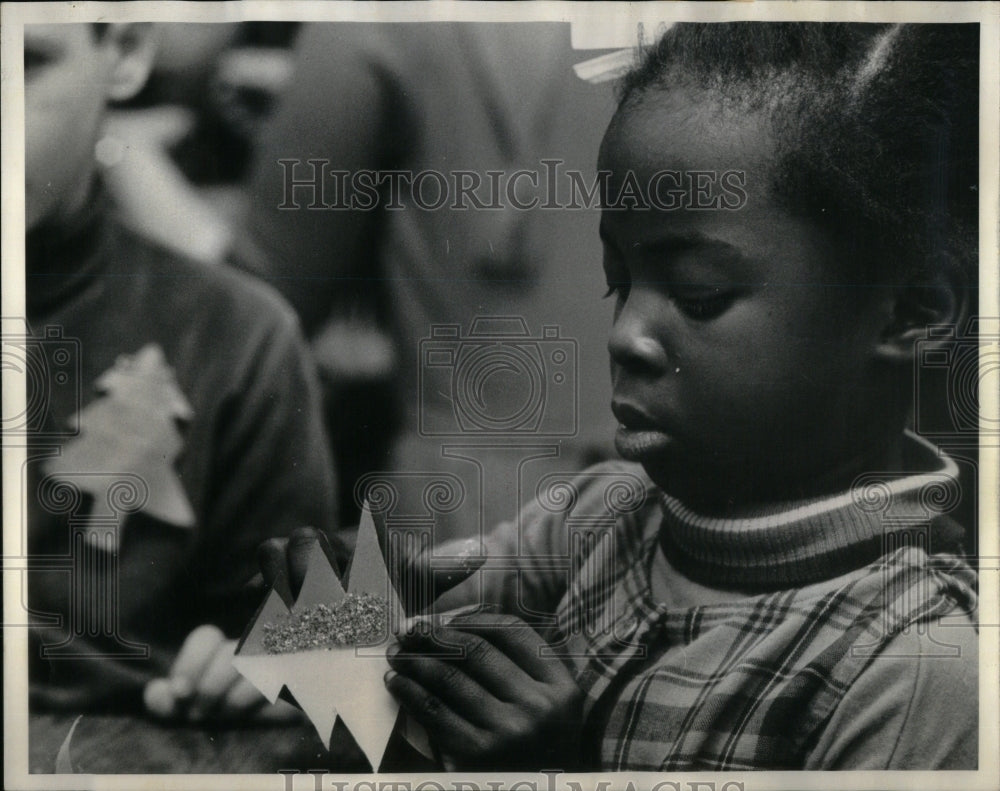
(500,706)
(203,684)
(413,577)
(289,557)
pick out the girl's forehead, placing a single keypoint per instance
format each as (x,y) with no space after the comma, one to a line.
(686,129)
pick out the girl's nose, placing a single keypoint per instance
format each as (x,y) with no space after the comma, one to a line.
(633,343)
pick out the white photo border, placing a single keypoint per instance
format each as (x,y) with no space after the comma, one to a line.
(599,24)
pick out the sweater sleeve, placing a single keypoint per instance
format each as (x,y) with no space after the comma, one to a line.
(915,707)
(532,559)
(515,577)
(272,470)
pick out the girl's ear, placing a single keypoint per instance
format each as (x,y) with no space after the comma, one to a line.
(133,48)
(917,306)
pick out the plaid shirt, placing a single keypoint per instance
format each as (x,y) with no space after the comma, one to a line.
(742,685)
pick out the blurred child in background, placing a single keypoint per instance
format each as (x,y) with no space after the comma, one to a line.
(195,382)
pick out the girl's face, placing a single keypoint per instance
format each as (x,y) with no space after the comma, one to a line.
(741,356)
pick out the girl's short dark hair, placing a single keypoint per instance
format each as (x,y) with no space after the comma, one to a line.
(876,127)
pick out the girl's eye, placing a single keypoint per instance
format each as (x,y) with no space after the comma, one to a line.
(704,307)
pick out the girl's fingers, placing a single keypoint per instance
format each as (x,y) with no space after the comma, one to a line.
(454,563)
(448,682)
(430,572)
(271,559)
(516,640)
(419,577)
(299,549)
(474,657)
(448,729)
(289,557)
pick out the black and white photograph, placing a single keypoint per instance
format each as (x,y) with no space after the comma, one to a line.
(547,396)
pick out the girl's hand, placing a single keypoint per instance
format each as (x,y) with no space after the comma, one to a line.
(419,580)
(289,557)
(487,696)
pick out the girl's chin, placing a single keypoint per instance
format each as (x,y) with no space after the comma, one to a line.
(670,465)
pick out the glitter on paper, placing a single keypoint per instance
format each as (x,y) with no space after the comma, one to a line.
(358,619)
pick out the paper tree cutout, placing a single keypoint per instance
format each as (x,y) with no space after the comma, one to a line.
(133,428)
(331,682)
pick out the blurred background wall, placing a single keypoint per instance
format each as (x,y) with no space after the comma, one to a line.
(203,173)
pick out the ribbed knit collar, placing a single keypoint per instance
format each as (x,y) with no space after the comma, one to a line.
(61,258)
(812,540)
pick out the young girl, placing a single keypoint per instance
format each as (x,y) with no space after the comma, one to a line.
(765,589)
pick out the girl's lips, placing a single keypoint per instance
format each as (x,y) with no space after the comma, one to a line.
(638,444)
(633,418)
(638,435)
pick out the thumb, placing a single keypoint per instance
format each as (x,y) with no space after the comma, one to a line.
(432,572)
